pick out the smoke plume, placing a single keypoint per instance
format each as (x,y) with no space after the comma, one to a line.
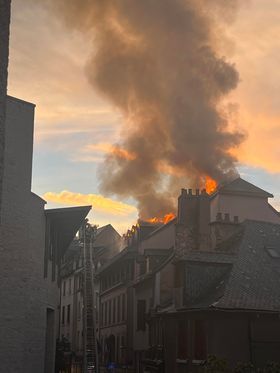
(156,61)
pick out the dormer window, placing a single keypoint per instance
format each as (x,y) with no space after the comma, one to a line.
(274,252)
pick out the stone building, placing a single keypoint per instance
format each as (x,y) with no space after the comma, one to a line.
(33,241)
(245,200)
(5,10)
(211,293)
(106,244)
(116,299)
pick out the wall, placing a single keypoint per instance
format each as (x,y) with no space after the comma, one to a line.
(235,334)
(25,294)
(5,8)
(243,207)
(265,337)
(143,291)
(115,325)
(164,238)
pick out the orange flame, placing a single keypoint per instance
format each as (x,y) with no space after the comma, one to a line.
(165,219)
(210,185)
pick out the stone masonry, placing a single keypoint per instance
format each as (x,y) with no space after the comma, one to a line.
(5,6)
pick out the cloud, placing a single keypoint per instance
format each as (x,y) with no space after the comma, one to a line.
(257,56)
(99,203)
(47,68)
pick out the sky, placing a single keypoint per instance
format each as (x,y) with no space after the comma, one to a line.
(74,126)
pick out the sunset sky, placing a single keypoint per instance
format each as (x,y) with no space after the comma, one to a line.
(74,127)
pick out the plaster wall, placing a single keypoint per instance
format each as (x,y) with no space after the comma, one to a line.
(141,337)
(243,207)
(163,239)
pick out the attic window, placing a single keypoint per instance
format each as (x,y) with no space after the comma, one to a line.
(273,252)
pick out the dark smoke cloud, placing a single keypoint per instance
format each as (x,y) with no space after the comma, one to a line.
(156,61)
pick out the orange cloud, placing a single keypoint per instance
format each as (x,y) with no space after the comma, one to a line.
(99,203)
(261,149)
(94,152)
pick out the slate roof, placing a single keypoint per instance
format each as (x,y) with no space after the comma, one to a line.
(63,224)
(165,259)
(248,279)
(242,187)
(126,253)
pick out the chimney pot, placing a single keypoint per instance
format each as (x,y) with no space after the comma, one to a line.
(197,192)
(183,192)
(219,216)
(227,217)
(190,192)
(235,219)
(203,191)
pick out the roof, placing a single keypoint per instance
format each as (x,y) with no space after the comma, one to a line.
(125,253)
(246,280)
(165,259)
(106,236)
(19,100)
(242,187)
(101,229)
(162,227)
(64,224)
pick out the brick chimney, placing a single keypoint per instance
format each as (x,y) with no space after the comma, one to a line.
(222,228)
(193,230)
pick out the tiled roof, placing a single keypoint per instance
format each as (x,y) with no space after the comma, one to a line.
(247,280)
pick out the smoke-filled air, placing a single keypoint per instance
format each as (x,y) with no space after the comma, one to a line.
(157,62)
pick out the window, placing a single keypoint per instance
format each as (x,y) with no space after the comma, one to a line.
(114,310)
(80,282)
(274,252)
(78,340)
(142,267)
(50,252)
(117,348)
(182,339)
(200,348)
(123,307)
(110,312)
(64,287)
(63,315)
(101,314)
(141,311)
(105,318)
(70,286)
(79,310)
(68,313)
(118,309)
(122,347)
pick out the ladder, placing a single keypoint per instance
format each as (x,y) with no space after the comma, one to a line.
(90,342)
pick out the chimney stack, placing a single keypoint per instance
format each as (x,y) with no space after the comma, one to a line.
(223,228)
(193,231)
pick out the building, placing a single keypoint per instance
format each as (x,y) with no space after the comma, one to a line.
(33,242)
(5,10)
(106,244)
(153,251)
(212,293)
(32,239)
(243,199)
(229,304)
(116,299)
